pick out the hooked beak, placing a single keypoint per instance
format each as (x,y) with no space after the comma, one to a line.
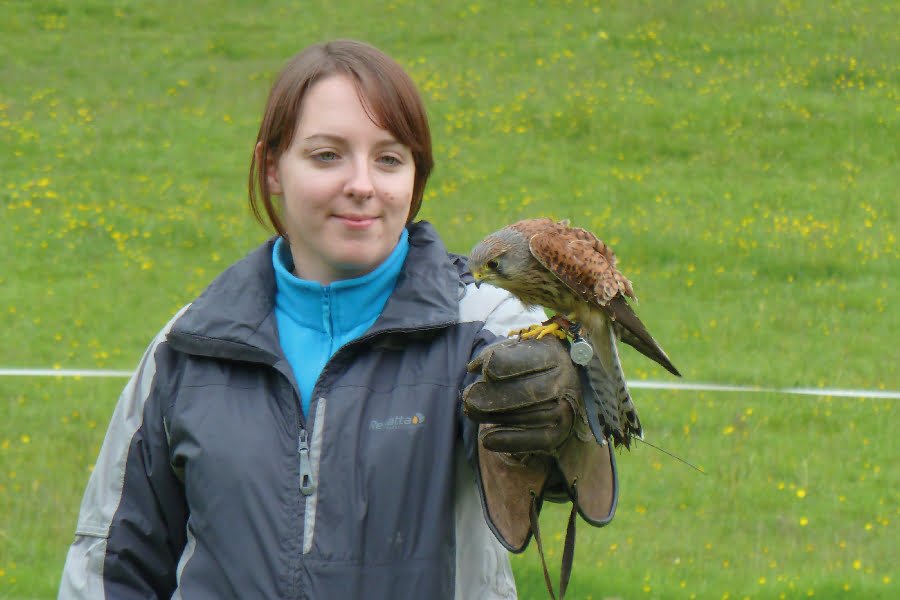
(478,275)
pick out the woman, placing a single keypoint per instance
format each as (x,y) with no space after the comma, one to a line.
(296,432)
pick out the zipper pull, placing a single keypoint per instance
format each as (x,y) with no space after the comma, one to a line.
(307,483)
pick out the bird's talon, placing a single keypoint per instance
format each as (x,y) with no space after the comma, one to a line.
(539,331)
(557,332)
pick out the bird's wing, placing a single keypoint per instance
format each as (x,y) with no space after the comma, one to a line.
(631,330)
(581,261)
(587,266)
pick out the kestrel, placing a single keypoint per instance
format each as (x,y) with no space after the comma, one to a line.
(571,272)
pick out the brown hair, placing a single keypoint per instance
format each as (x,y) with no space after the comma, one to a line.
(385,90)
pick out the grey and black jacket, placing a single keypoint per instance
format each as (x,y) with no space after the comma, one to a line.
(211,484)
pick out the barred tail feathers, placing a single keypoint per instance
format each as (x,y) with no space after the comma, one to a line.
(619,415)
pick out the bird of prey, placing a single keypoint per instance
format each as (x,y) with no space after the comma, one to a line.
(571,272)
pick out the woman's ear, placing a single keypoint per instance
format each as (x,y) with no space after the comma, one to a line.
(271,169)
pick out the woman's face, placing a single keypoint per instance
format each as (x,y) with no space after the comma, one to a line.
(346,186)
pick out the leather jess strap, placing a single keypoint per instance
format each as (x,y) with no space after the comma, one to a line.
(568,545)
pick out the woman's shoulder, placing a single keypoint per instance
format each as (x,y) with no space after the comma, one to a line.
(240,296)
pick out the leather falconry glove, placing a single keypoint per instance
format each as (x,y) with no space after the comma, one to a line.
(526,398)
(534,442)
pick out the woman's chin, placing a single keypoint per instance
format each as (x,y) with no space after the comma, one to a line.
(356,264)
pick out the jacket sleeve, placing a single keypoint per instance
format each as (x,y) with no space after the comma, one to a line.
(131,526)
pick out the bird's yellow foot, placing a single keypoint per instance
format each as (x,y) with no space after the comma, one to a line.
(557,326)
(539,331)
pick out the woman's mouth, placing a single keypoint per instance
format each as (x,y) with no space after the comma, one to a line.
(356,221)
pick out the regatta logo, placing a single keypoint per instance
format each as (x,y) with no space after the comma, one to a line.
(397,422)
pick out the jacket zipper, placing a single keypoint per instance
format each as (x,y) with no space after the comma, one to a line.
(307,482)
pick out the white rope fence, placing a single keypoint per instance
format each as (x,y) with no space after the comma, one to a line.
(638,384)
(63,373)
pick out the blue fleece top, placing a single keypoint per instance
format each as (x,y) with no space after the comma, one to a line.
(315,320)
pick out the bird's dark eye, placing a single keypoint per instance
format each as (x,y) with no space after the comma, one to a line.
(492,264)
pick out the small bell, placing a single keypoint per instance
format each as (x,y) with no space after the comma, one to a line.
(581,351)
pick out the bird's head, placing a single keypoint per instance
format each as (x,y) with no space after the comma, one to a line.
(500,258)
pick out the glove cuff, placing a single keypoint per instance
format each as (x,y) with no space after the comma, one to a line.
(592,469)
(508,482)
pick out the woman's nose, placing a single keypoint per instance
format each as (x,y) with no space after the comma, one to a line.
(359,183)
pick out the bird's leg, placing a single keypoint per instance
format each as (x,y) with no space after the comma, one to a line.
(574,330)
(557,325)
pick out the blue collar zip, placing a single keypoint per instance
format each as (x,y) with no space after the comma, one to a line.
(343,305)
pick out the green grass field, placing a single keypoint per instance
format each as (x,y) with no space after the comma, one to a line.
(740,157)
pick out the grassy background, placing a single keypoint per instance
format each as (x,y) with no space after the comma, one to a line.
(740,157)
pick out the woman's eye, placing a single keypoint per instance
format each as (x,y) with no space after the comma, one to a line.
(326,156)
(391,161)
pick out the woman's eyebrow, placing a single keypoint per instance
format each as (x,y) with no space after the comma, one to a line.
(338,139)
(326,137)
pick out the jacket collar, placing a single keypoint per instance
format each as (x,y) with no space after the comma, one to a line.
(234,317)
(344,305)
(428,289)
